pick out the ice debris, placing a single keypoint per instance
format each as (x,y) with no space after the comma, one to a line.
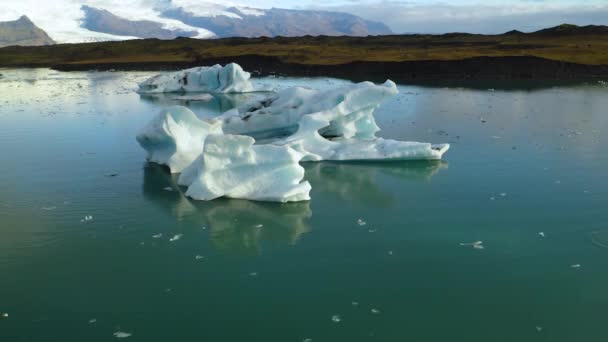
(475,245)
(254,151)
(122,334)
(176,237)
(214,79)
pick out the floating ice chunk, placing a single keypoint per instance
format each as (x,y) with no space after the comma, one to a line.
(176,237)
(327,125)
(542,234)
(576,266)
(336,318)
(4,315)
(361,222)
(475,245)
(214,79)
(175,137)
(232,166)
(92,321)
(253,152)
(122,334)
(375,311)
(157,236)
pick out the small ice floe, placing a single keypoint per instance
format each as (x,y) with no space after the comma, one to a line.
(576,266)
(253,274)
(4,315)
(496,137)
(336,318)
(355,303)
(176,237)
(372,230)
(122,334)
(93,321)
(390,252)
(475,245)
(542,234)
(492,198)
(199,257)
(361,222)
(539,329)
(87,218)
(258,226)
(503,194)
(48,208)
(375,311)
(157,236)
(307,340)
(168,188)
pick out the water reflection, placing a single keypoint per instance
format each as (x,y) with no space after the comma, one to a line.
(219,103)
(358,181)
(235,226)
(243,227)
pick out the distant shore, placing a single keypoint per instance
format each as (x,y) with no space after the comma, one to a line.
(562,53)
(478,68)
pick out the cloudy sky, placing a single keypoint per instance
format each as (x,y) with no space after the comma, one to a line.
(419,16)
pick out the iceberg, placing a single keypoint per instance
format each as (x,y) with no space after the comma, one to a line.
(254,151)
(214,79)
(175,137)
(331,125)
(232,166)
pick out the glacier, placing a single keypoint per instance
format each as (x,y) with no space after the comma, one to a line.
(214,79)
(254,151)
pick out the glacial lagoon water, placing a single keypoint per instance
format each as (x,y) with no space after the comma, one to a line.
(98,245)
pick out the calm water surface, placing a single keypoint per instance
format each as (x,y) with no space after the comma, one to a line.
(524,160)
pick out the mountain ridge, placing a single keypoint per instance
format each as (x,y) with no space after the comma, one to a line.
(23,32)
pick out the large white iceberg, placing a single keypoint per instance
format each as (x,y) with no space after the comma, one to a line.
(213,164)
(175,137)
(232,166)
(253,152)
(327,125)
(214,79)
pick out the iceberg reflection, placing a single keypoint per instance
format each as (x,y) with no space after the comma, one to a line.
(235,226)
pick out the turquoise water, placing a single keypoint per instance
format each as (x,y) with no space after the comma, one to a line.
(524,160)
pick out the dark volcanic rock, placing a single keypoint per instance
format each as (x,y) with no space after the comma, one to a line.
(23,32)
(100,20)
(281,22)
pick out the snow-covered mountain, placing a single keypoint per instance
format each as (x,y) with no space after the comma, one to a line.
(71,21)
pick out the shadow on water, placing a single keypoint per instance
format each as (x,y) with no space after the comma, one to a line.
(242,227)
(218,104)
(358,181)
